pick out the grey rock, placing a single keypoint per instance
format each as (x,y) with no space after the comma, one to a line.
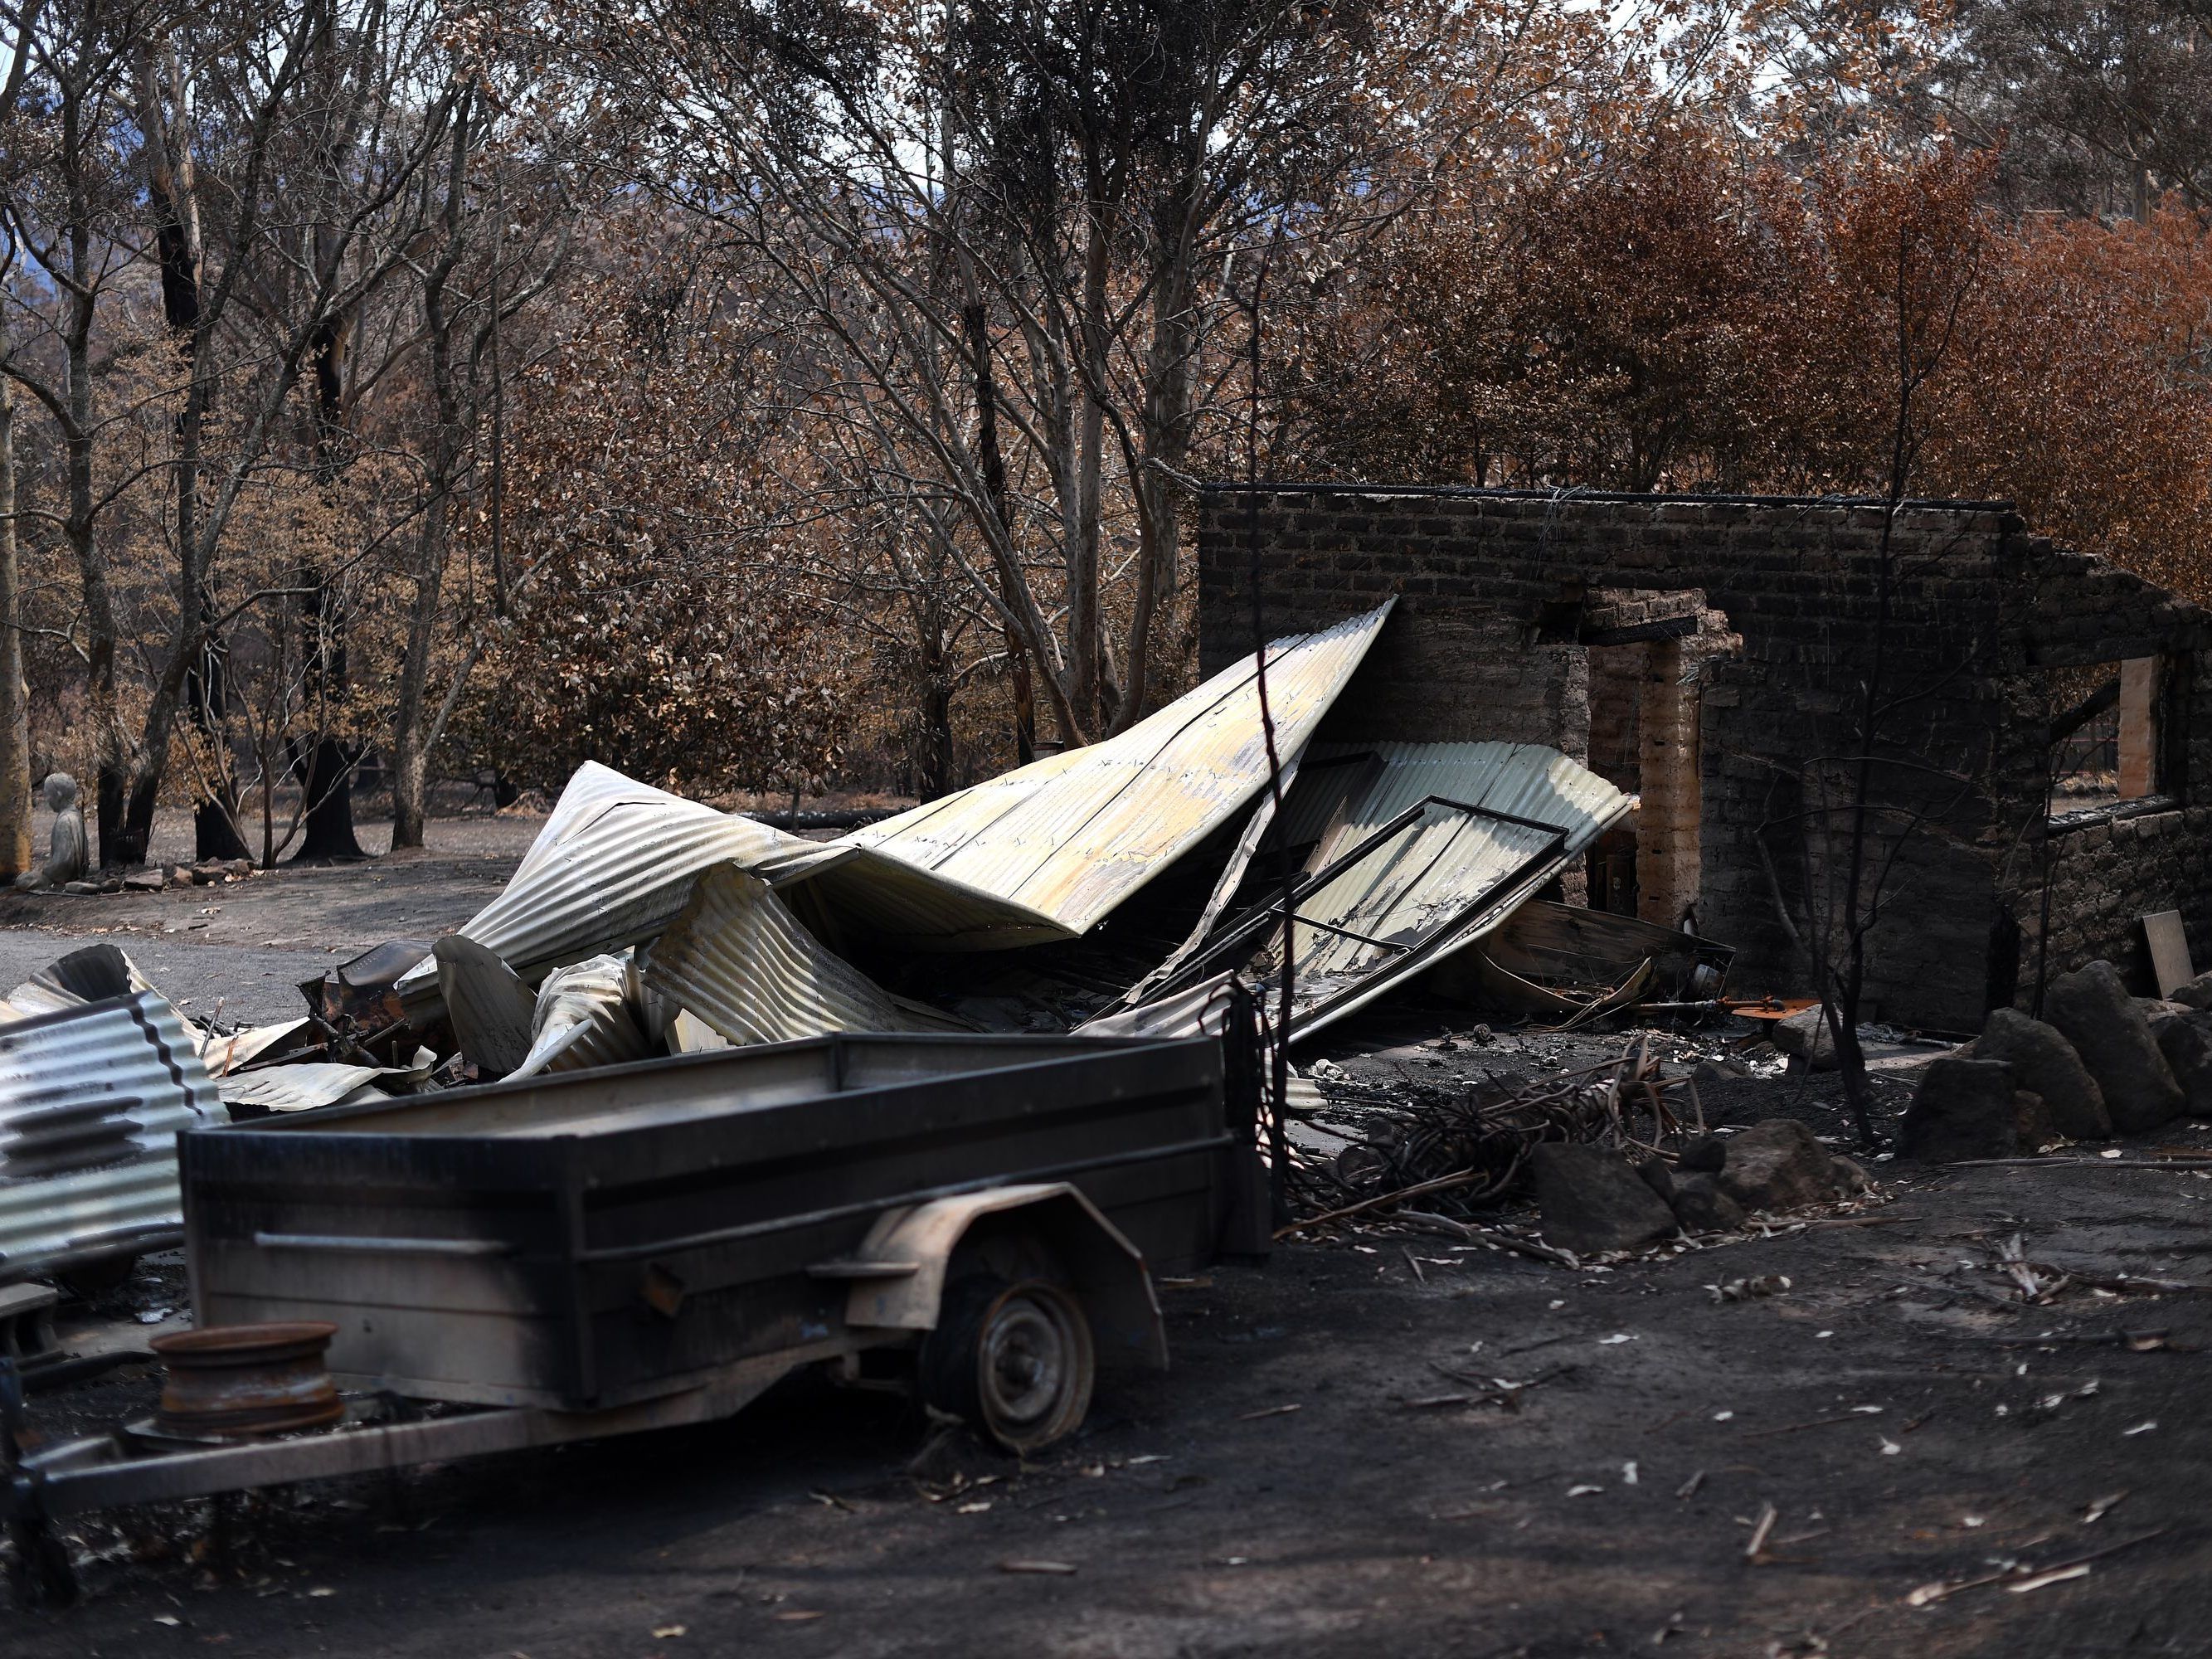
(2095,1013)
(2198,994)
(2044,1061)
(1706,1154)
(1590,1201)
(1805,1036)
(1850,1175)
(2183,1035)
(1778,1164)
(1964,1108)
(1702,1207)
(1657,1175)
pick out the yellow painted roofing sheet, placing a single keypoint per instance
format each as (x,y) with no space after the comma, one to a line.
(1071,837)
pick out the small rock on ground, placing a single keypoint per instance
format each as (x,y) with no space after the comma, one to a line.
(2045,1062)
(1778,1164)
(1702,1207)
(1590,1201)
(2183,1036)
(1965,1108)
(1805,1036)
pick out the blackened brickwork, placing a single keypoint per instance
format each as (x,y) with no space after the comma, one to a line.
(1487,643)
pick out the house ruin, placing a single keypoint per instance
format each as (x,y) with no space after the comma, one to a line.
(2042,776)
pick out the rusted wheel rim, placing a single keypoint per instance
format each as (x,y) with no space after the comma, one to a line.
(227,1346)
(1033,1366)
(231,1380)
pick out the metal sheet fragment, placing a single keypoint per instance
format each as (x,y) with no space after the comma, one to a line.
(738,961)
(491,1008)
(91,1099)
(1437,845)
(586,1015)
(306,1085)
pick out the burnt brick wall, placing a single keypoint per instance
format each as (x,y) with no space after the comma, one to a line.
(2107,876)
(1616,683)
(1491,589)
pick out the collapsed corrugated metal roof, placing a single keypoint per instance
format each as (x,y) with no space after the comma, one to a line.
(1071,837)
(91,1099)
(737,960)
(1042,853)
(1417,850)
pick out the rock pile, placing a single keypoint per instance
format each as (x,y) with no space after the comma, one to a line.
(2103,1063)
(1590,1201)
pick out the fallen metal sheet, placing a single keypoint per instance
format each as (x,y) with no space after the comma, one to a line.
(1203,1009)
(1418,850)
(304,1087)
(688,1034)
(225,1055)
(611,865)
(586,1015)
(91,1099)
(94,974)
(1071,837)
(738,961)
(491,1009)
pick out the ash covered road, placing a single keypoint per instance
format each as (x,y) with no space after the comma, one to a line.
(1376,1443)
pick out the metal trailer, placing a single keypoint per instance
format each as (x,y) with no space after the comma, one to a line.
(603,1252)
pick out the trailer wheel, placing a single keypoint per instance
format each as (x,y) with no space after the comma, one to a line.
(1015,1359)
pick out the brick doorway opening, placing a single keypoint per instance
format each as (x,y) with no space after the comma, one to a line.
(1646,652)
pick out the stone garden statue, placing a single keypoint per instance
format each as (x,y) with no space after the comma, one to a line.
(69,855)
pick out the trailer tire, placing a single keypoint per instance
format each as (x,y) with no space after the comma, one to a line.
(1014,1358)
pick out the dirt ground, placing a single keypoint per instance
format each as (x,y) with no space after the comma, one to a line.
(1368,1445)
(248,944)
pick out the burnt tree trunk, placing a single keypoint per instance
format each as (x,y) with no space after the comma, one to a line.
(994,482)
(325,765)
(14,712)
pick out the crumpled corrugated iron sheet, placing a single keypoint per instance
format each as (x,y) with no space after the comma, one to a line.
(491,1009)
(737,960)
(1071,837)
(93,974)
(611,866)
(91,1099)
(1204,1009)
(1437,884)
(586,1015)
